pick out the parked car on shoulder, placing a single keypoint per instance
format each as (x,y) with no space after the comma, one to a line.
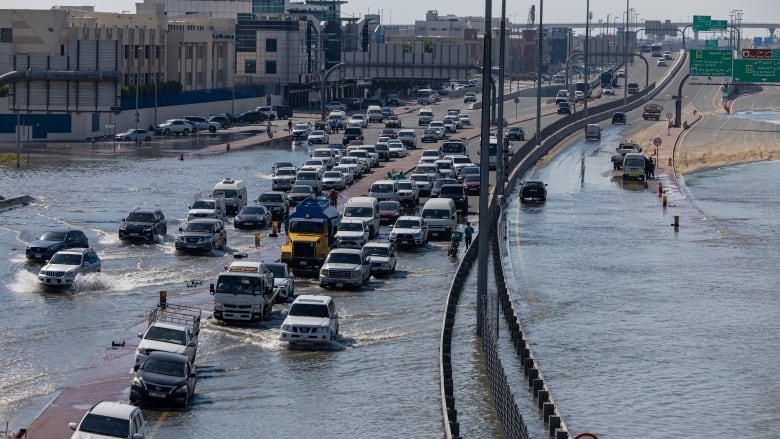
(203,124)
(282,111)
(312,319)
(223,121)
(175,127)
(252,117)
(143,225)
(335,105)
(134,135)
(108,419)
(268,111)
(52,241)
(66,265)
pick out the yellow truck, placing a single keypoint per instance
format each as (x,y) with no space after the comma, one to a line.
(311,232)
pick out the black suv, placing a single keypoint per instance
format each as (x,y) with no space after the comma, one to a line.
(352,133)
(533,191)
(143,225)
(618,118)
(458,194)
(283,111)
(276,202)
(44,247)
(393,100)
(515,133)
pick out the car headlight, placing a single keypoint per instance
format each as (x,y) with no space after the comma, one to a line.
(123,227)
(137,382)
(286,328)
(357,270)
(393,235)
(70,272)
(323,329)
(323,272)
(181,390)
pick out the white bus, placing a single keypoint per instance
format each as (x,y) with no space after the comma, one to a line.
(425,96)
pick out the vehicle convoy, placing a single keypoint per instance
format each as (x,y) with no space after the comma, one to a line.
(172,328)
(244,292)
(311,320)
(311,232)
(622,149)
(652,111)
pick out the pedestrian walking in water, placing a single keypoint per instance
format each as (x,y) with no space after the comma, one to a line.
(467,233)
(289,126)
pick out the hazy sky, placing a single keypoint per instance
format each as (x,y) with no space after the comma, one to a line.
(407,11)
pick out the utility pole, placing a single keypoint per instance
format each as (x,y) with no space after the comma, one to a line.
(587,66)
(539,46)
(137,83)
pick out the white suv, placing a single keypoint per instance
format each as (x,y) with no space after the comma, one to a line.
(311,320)
(344,267)
(66,265)
(110,420)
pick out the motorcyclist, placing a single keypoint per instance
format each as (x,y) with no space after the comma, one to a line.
(455,239)
(333,196)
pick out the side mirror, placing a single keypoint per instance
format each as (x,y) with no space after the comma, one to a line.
(140,335)
(135,368)
(180,229)
(211,289)
(72,425)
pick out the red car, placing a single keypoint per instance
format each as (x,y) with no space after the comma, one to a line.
(471,184)
(388,132)
(389,211)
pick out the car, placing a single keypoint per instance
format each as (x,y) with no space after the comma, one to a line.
(347,172)
(465,118)
(609,91)
(667,54)
(143,225)
(108,419)
(389,211)
(429,135)
(396,148)
(283,179)
(579,96)
(515,133)
(352,103)
(312,319)
(284,280)
(358,120)
(381,257)
(457,193)
(276,202)
(252,117)
(201,234)
(408,193)
(174,126)
(345,267)
(203,124)
(471,184)
(618,118)
(423,182)
(389,133)
(564,108)
(469,97)
(621,73)
(409,231)
(66,265)
(336,105)
(393,100)
(632,88)
(222,120)
(134,135)
(449,125)
(163,378)
(441,130)
(268,111)
(387,112)
(301,131)
(277,165)
(533,190)
(351,233)
(439,182)
(52,241)
(661,62)
(333,180)
(282,111)
(207,208)
(252,217)
(300,192)
(318,136)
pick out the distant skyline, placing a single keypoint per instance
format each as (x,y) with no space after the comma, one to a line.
(407,11)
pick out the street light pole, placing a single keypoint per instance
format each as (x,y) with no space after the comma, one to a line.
(587,66)
(137,82)
(539,77)
(625,57)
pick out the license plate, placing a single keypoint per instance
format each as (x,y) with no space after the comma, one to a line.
(37,255)
(192,246)
(339,285)
(156,395)
(303,263)
(406,241)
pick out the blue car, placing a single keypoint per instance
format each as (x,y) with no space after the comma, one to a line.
(44,247)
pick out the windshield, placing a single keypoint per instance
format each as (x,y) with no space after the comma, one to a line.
(227,193)
(300,190)
(405,185)
(313,163)
(166,335)
(344,258)
(198,227)
(407,224)
(452,148)
(358,212)
(388,205)
(277,269)
(332,174)
(137,217)
(165,367)
(376,251)
(635,162)
(308,310)
(253,210)
(351,227)
(65,259)
(231,284)
(204,204)
(105,425)
(53,236)
(436,214)
(305,227)
(471,178)
(382,188)
(285,172)
(270,198)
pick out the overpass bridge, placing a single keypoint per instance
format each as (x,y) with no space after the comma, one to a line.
(613,26)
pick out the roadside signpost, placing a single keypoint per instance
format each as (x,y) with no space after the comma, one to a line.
(711,44)
(719,25)
(711,62)
(702,23)
(756,53)
(756,70)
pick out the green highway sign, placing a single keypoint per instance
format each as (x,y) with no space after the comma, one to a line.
(711,62)
(702,23)
(719,25)
(757,70)
(775,53)
(711,44)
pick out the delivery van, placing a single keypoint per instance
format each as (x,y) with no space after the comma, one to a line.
(441,216)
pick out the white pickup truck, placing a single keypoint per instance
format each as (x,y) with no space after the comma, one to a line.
(172,328)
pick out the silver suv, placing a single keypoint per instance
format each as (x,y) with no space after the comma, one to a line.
(311,320)
(203,234)
(66,265)
(344,267)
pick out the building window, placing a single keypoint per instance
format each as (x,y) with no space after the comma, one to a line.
(250,66)
(6,35)
(270,67)
(270,45)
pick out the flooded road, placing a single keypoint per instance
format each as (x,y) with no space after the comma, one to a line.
(382,373)
(641,330)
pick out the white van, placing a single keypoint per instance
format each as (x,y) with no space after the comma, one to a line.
(365,208)
(234,193)
(384,190)
(634,166)
(425,116)
(441,216)
(374,114)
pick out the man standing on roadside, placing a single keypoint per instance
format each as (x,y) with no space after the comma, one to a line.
(467,233)
(268,129)
(289,126)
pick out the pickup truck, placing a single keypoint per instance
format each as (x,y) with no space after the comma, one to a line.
(172,328)
(652,111)
(622,149)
